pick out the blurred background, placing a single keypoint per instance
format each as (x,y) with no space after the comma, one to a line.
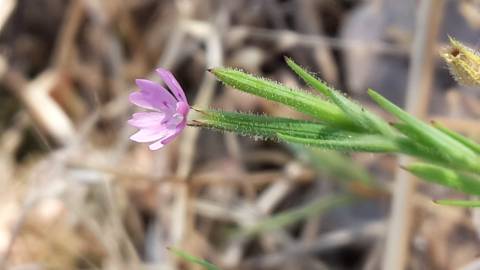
(76,193)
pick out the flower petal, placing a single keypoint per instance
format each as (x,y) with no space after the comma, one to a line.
(183,108)
(170,111)
(153,96)
(156,145)
(146,119)
(169,137)
(149,135)
(172,83)
(161,143)
(174,121)
(138,99)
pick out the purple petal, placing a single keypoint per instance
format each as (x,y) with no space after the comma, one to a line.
(138,99)
(156,145)
(164,141)
(169,137)
(183,108)
(174,135)
(146,119)
(174,121)
(172,83)
(149,135)
(152,96)
(170,111)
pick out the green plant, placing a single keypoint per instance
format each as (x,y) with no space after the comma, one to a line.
(339,123)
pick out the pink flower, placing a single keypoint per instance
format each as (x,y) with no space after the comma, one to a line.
(168,115)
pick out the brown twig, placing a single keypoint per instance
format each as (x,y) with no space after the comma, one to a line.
(418,93)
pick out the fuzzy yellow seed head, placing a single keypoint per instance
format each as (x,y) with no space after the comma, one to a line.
(463,62)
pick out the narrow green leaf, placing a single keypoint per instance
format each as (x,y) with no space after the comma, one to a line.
(293,216)
(299,100)
(352,143)
(362,117)
(193,259)
(460,203)
(418,146)
(411,133)
(463,182)
(417,149)
(451,149)
(462,139)
(264,127)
